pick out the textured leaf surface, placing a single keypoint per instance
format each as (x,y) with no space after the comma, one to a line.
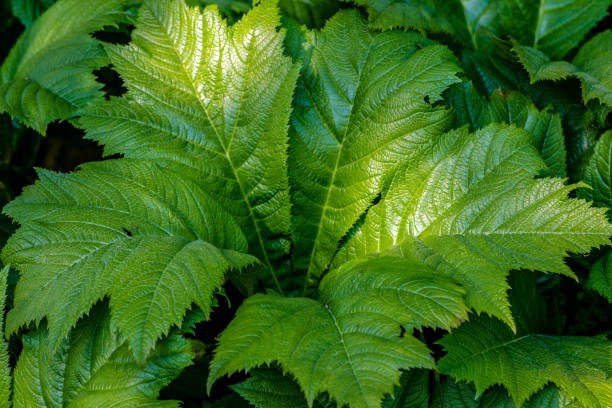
(132,230)
(462,19)
(471,206)
(48,73)
(592,65)
(269,388)
(451,394)
(553,26)
(549,397)
(5,370)
(598,173)
(349,342)
(486,352)
(516,109)
(413,391)
(212,101)
(360,110)
(600,277)
(95,369)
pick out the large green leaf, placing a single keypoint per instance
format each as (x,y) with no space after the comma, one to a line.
(94,368)
(486,352)
(361,109)
(142,234)
(354,339)
(212,102)
(515,109)
(472,205)
(592,65)
(48,73)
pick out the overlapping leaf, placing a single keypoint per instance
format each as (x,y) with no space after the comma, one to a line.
(361,109)
(486,352)
(592,65)
(471,207)
(48,73)
(150,239)
(94,368)
(553,26)
(354,339)
(214,103)
(515,109)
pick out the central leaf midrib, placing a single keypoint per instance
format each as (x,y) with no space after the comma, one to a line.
(222,145)
(346,352)
(315,244)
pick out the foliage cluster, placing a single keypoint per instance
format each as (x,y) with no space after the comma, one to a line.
(383,203)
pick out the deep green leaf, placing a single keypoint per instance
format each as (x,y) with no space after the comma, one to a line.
(94,368)
(486,352)
(549,397)
(600,277)
(513,108)
(48,73)
(5,369)
(451,394)
(413,391)
(269,388)
(598,173)
(592,65)
(27,11)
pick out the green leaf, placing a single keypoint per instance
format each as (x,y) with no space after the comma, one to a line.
(212,102)
(48,74)
(350,342)
(598,173)
(472,206)
(269,388)
(360,110)
(486,352)
(513,108)
(554,27)
(549,397)
(94,368)
(451,394)
(312,13)
(592,65)
(144,235)
(413,391)
(5,369)
(464,20)
(27,11)
(600,277)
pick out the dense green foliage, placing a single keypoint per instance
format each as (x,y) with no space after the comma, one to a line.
(384,203)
